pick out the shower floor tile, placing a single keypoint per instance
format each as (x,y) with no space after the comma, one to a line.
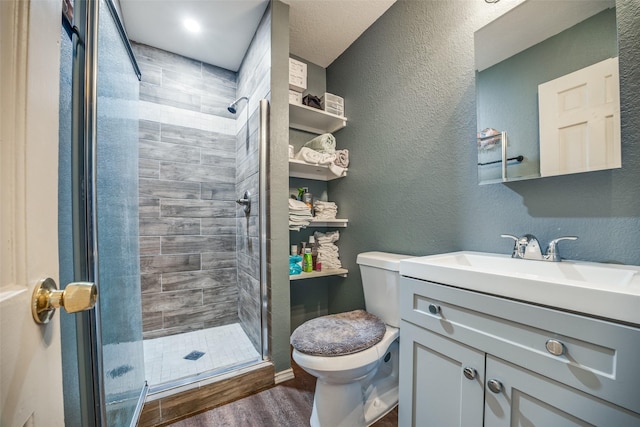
(223,346)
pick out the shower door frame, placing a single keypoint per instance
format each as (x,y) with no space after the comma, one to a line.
(262,225)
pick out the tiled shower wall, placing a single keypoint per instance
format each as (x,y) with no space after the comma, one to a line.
(253,82)
(187,169)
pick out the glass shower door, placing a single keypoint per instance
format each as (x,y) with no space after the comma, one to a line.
(116,166)
(104,382)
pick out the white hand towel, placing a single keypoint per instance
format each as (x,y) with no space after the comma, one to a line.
(337,170)
(313,157)
(325,143)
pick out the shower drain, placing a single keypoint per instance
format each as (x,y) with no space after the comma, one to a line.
(194,355)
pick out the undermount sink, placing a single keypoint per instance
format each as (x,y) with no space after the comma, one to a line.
(606,290)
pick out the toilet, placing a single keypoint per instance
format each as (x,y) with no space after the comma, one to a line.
(354,355)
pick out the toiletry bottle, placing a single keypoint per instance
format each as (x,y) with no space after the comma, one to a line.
(307,261)
(303,246)
(314,250)
(307,198)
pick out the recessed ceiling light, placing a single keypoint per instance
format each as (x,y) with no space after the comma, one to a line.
(191,25)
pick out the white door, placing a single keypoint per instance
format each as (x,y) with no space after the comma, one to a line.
(579,123)
(30,355)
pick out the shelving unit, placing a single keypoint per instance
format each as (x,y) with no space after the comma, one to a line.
(301,169)
(312,120)
(342,272)
(316,121)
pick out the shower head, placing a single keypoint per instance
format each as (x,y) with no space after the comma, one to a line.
(232,107)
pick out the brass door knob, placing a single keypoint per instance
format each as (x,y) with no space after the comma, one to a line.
(75,297)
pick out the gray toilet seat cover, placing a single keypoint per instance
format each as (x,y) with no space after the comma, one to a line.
(338,334)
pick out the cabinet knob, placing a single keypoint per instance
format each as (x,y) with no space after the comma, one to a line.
(434,308)
(555,347)
(494,385)
(470,373)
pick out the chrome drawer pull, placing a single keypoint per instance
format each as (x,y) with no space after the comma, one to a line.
(434,308)
(555,347)
(470,373)
(495,386)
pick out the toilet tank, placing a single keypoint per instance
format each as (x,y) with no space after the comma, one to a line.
(381,284)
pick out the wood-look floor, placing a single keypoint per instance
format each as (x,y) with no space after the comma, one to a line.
(288,404)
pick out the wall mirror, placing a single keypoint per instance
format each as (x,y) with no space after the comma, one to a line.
(547,90)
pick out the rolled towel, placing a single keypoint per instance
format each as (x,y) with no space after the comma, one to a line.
(325,143)
(342,158)
(314,157)
(308,155)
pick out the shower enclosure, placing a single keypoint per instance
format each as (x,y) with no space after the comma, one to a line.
(150,172)
(200,252)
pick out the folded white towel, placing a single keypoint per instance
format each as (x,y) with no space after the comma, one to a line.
(325,210)
(329,237)
(298,205)
(325,143)
(313,157)
(328,252)
(299,214)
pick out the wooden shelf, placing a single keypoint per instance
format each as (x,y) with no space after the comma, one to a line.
(342,272)
(312,120)
(300,169)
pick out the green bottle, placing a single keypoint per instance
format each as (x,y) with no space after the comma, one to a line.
(307,261)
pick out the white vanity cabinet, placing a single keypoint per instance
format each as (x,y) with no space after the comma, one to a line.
(471,359)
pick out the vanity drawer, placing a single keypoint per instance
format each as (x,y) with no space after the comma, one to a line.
(595,356)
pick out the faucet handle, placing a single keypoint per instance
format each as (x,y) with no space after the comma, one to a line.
(515,253)
(552,251)
(510,236)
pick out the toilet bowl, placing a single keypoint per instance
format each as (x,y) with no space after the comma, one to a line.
(359,387)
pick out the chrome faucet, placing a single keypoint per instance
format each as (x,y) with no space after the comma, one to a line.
(528,247)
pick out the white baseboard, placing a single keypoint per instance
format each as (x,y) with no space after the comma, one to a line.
(282,376)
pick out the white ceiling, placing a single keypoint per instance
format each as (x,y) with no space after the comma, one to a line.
(320,30)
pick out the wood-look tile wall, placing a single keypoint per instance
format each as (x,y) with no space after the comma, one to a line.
(187,168)
(253,82)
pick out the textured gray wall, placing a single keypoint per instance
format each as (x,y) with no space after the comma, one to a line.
(277,217)
(412,188)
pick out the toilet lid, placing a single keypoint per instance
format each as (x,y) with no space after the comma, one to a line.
(338,334)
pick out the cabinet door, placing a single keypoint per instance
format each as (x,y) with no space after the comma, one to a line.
(434,390)
(529,399)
